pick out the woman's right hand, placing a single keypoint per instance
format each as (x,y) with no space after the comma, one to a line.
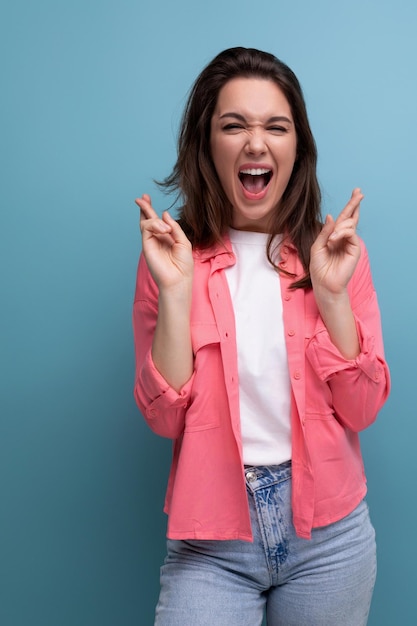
(168,254)
(167,250)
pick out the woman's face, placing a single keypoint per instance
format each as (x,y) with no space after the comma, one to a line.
(253,146)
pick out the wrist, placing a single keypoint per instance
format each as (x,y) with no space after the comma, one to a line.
(179,292)
(331,298)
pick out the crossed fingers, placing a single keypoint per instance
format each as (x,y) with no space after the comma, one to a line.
(345,224)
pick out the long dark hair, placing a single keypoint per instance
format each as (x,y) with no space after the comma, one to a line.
(206,213)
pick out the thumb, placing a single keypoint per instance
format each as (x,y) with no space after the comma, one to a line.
(326,231)
(177,233)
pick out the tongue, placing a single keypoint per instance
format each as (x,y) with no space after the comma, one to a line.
(254,184)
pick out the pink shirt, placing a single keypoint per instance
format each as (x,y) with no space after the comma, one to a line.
(332,399)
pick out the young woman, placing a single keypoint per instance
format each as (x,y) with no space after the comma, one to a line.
(259,352)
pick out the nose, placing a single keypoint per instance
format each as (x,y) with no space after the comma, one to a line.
(256,142)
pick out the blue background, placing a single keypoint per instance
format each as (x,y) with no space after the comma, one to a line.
(91,94)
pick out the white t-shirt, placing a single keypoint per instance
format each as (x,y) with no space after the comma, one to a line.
(264,384)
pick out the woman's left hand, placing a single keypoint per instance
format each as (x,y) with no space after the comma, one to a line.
(336,251)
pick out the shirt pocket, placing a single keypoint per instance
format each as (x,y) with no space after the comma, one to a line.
(335,455)
(203,335)
(208,396)
(326,440)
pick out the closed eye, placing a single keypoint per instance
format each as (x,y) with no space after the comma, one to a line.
(233,127)
(278,129)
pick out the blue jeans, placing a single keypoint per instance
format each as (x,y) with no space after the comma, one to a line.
(325,581)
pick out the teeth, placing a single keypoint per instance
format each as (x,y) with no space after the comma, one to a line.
(255,171)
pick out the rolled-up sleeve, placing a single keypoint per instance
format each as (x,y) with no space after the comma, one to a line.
(359,386)
(162,406)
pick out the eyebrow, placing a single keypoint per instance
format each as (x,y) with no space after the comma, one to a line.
(275,118)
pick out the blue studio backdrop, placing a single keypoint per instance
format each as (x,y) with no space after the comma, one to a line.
(91,95)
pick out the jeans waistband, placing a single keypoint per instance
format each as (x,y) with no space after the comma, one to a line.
(260,476)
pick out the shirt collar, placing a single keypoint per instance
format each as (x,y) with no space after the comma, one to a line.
(223,251)
(217,249)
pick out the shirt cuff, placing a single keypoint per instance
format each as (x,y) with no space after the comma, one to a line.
(327,361)
(161,395)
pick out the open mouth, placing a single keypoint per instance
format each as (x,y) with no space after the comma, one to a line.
(255,180)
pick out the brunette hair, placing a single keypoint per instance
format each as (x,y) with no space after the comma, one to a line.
(207,213)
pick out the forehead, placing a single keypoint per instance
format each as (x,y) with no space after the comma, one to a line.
(252,95)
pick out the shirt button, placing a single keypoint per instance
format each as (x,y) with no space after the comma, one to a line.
(250,477)
(291,332)
(287,297)
(297,374)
